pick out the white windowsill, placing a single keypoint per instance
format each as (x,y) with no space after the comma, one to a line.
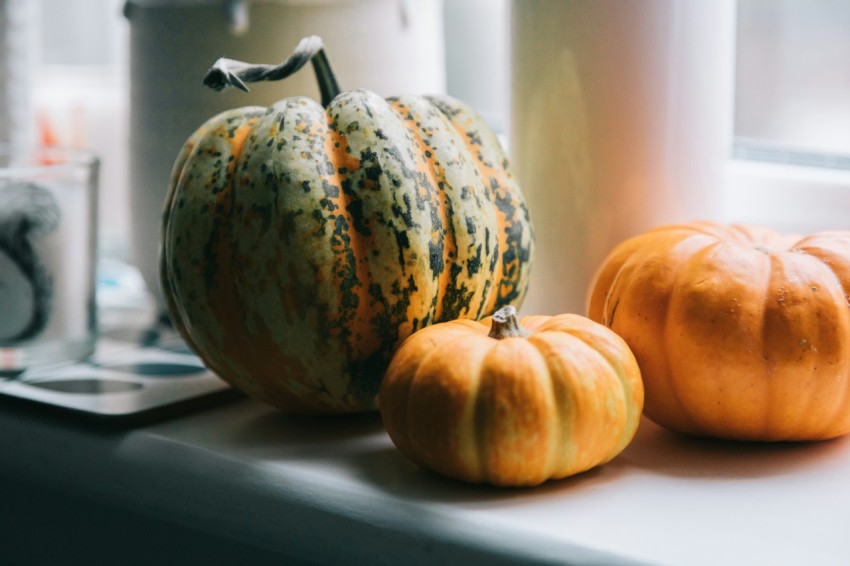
(789,198)
(335,491)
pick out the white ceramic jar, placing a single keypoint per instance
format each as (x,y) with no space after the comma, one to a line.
(621,119)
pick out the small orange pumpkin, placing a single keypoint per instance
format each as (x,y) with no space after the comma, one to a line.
(512,402)
(740,332)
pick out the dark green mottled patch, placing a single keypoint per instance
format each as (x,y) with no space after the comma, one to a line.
(457,297)
(474,138)
(435,257)
(355,209)
(331,191)
(403,243)
(473,264)
(405,213)
(366,374)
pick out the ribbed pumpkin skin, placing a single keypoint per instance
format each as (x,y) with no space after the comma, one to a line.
(516,411)
(302,244)
(740,332)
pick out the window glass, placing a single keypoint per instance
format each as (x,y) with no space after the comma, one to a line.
(793,81)
(79,32)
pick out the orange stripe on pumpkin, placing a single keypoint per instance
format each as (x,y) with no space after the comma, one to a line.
(435,174)
(489,174)
(362,340)
(256,370)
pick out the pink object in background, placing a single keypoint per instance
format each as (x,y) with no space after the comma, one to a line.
(621,120)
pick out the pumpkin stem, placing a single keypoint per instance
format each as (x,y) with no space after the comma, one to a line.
(228,72)
(506,324)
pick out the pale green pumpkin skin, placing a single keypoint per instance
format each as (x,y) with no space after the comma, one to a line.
(301,245)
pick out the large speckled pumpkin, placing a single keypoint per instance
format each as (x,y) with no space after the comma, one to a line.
(740,332)
(303,242)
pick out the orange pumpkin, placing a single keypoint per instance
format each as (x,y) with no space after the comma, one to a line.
(512,402)
(740,332)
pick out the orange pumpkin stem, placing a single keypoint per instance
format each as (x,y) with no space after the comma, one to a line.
(506,324)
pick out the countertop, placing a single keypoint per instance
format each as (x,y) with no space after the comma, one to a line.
(334,490)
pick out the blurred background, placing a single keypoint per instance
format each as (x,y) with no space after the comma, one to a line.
(67,72)
(83,73)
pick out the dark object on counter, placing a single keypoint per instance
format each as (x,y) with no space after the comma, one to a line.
(27,212)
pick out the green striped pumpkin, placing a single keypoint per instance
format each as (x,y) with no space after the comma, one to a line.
(303,242)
